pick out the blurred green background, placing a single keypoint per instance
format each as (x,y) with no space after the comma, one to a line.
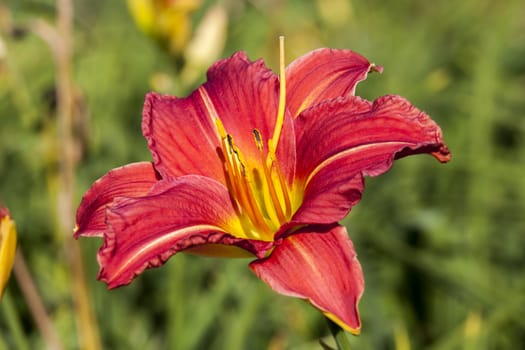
(442,246)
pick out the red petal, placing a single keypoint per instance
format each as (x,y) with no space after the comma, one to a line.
(340,141)
(131,180)
(324,74)
(176,215)
(181,136)
(245,96)
(320,267)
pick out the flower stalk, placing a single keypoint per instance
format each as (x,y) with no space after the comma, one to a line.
(339,335)
(35,303)
(13,322)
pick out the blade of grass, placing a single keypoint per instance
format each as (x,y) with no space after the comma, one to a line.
(13,322)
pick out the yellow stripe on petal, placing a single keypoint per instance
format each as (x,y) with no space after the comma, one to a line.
(7,249)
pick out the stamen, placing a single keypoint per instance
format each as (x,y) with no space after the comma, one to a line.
(246,192)
(239,185)
(250,204)
(272,192)
(284,191)
(271,163)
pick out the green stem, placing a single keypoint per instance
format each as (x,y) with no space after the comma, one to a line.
(13,322)
(339,335)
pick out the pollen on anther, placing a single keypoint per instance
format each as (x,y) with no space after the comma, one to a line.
(258,139)
(229,138)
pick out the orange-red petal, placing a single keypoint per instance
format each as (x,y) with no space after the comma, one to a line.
(178,214)
(181,136)
(132,180)
(357,138)
(324,74)
(182,133)
(320,267)
(245,96)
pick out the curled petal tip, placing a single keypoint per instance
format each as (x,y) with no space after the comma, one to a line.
(131,180)
(356,330)
(75,231)
(375,68)
(443,154)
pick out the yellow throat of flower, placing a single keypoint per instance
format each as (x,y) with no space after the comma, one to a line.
(260,193)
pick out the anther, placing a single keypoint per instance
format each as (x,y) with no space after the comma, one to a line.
(229,138)
(258,139)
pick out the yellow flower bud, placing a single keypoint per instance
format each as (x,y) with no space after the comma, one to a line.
(7,247)
(166,21)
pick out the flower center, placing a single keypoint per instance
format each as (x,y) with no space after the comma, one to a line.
(259,190)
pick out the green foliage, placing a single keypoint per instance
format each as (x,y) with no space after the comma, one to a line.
(441,245)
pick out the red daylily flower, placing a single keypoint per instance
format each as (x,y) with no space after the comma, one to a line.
(255,164)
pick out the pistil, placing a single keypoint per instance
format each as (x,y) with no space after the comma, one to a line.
(258,188)
(272,143)
(271,160)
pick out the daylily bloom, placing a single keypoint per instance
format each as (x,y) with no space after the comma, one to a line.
(7,246)
(259,165)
